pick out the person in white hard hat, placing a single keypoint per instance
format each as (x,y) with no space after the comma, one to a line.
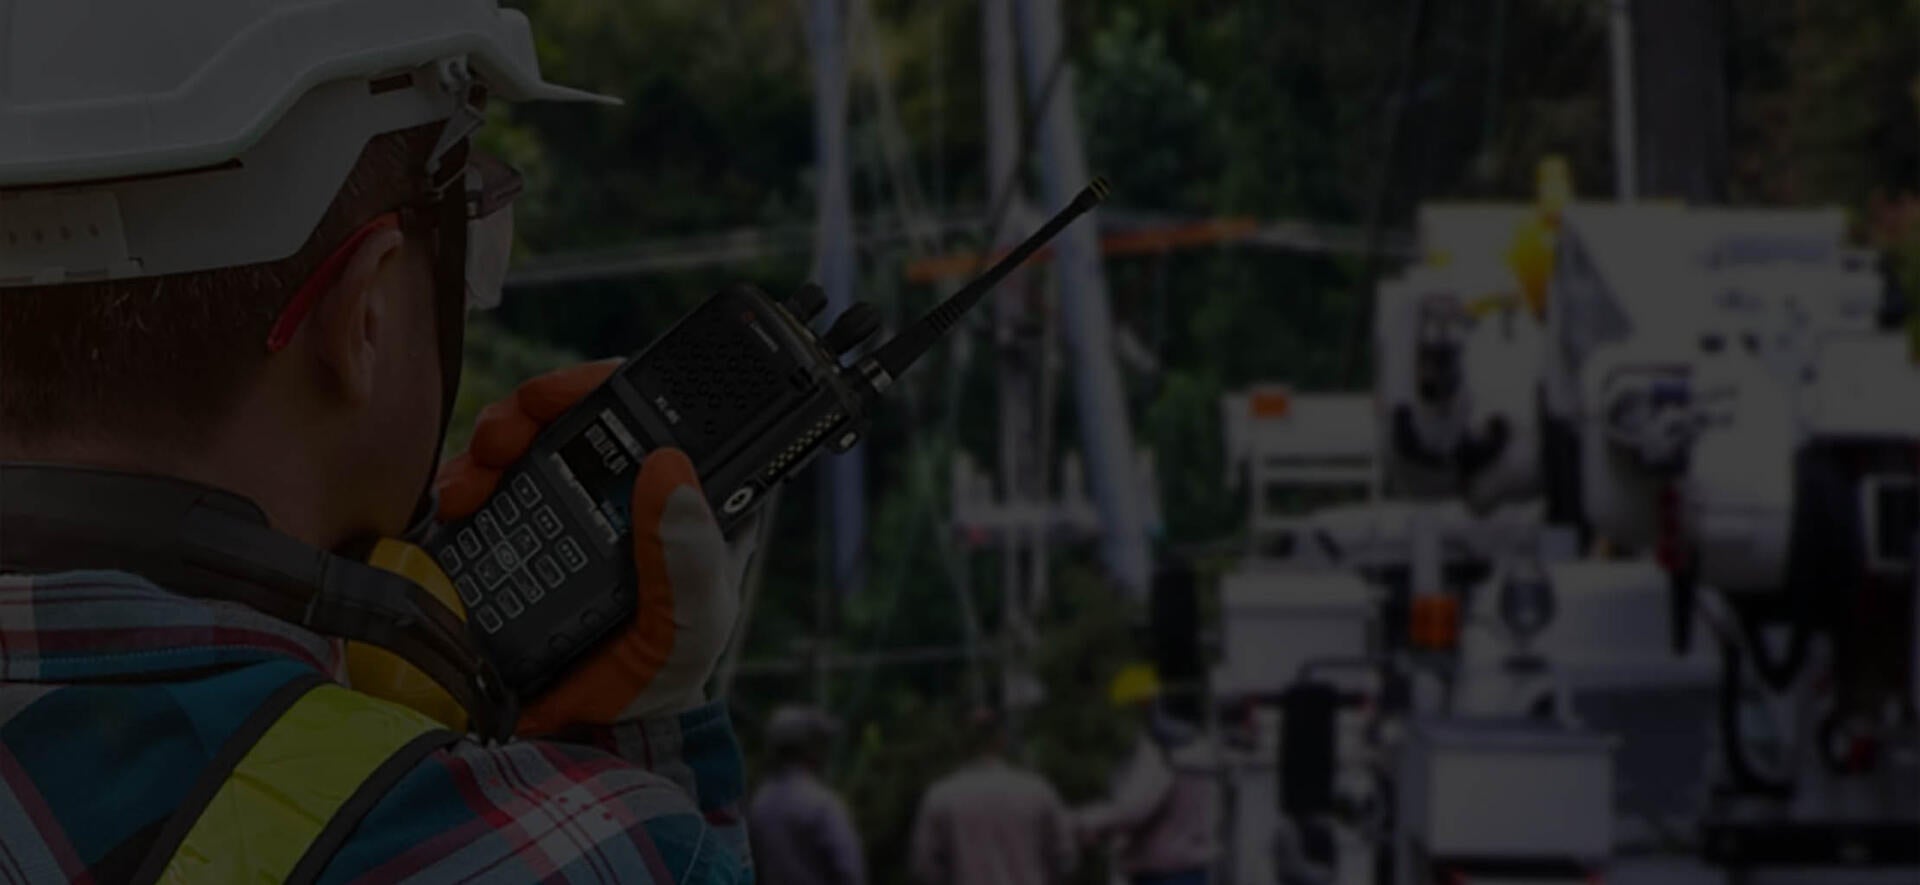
(802,832)
(238,240)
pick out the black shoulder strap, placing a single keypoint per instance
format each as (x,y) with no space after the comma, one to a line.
(371,791)
(224,761)
(342,821)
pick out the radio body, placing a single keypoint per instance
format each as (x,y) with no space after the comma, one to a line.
(742,385)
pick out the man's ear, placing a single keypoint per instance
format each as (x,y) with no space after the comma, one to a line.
(354,313)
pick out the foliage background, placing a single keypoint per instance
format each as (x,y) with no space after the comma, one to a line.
(1272,108)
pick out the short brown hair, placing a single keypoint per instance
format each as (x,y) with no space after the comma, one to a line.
(164,358)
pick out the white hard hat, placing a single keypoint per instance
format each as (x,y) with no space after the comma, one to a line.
(798,727)
(140,138)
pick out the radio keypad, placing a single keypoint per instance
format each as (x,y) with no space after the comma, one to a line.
(511,557)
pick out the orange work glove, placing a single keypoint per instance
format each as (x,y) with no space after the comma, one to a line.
(688,576)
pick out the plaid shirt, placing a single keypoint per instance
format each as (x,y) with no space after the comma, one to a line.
(114,695)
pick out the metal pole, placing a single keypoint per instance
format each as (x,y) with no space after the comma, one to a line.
(1013,345)
(845,476)
(1626,170)
(1105,429)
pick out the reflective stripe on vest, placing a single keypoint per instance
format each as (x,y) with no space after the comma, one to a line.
(300,789)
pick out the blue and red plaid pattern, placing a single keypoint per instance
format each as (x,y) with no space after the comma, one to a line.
(115,694)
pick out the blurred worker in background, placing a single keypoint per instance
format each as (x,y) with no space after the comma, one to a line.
(242,239)
(1162,815)
(992,822)
(802,833)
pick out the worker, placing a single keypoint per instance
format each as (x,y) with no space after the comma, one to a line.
(1163,810)
(992,822)
(237,246)
(802,833)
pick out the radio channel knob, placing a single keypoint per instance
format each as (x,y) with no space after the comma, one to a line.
(807,302)
(853,328)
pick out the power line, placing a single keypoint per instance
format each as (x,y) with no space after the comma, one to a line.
(670,254)
(748,245)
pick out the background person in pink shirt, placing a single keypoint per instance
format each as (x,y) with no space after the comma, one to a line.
(992,822)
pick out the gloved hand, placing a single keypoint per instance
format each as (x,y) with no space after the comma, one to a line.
(688,576)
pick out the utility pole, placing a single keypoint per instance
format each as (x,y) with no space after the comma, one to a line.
(844,480)
(1680,143)
(1626,168)
(1015,347)
(1010,308)
(1106,432)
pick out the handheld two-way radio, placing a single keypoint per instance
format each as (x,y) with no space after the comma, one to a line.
(744,387)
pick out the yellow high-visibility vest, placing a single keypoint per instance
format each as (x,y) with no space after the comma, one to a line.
(288,788)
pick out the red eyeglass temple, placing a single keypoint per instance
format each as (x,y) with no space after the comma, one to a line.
(322,279)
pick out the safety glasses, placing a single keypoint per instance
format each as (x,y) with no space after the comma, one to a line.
(486,191)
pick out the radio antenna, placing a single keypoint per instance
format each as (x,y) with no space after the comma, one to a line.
(895,356)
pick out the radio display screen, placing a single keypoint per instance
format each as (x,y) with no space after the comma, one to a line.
(600,463)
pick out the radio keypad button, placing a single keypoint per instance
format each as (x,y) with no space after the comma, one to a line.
(547,522)
(571,555)
(548,571)
(489,527)
(488,570)
(524,543)
(528,587)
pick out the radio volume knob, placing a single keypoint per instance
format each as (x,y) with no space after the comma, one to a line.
(853,328)
(807,302)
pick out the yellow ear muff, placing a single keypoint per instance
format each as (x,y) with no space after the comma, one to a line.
(388,676)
